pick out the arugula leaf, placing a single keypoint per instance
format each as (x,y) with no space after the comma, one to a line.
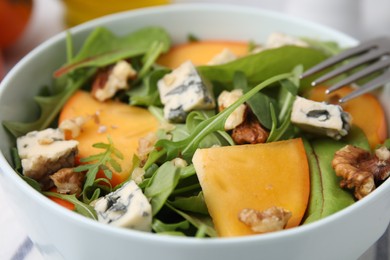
(160,227)
(277,133)
(266,64)
(288,91)
(147,93)
(199,221)
(259,102)
(150,57)
(100,161)
(187,171)
(220,137)
(186,147)
(193,204)
(161,185)
(49,106)
(80,207)
(102,47)
(201,232)
(329,47)
(327,197)
(386,143)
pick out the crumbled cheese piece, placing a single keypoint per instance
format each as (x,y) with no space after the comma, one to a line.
(320,118)
(126,207)
(45,152)
(276,40)
(117,80)
(225,100)
(138,175)
(179,162)
(182,91)
(73,125)
(382,153)
(224,57)
(102,129)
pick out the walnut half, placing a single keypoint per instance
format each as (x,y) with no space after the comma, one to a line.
(250,131)
(68,181)
(268,220)
(360,169)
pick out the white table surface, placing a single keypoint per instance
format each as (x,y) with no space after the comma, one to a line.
(359,18)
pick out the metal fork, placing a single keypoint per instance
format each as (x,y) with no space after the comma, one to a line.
(375,53)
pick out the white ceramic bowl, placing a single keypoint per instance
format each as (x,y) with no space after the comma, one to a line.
(62,234)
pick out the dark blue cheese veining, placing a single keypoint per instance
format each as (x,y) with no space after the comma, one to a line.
(320,118)
(184,90)
(126,207)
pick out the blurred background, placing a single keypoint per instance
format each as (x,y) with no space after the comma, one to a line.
(26,23)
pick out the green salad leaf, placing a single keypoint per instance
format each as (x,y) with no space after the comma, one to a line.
(266,64)
(104,161)
(49,106)
(329,47)
(186,147)
(259,103)
(147,94)
(326,196)
(170,228)
(80,207)
(199,221)
(161,185)
(194,204)
(102,47)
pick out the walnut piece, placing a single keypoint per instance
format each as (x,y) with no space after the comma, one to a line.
(360,169)
(67,181)
(146,145)
(111,79)
(250,131)
(268,220)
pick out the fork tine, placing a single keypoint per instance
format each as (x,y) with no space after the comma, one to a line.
(360,74)
(363,47)
(369,86)
(372,55)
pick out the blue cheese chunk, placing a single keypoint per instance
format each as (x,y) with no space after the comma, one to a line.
(320,118)
(182,91)
(44,153)
(126,207)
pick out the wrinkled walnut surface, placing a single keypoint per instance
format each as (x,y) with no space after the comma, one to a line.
(269,220)
(250,131)
(67,181)
(360,169)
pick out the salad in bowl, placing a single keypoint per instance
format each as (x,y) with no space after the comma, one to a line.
(179,136)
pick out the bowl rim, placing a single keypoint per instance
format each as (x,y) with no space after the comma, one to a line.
(9,172)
